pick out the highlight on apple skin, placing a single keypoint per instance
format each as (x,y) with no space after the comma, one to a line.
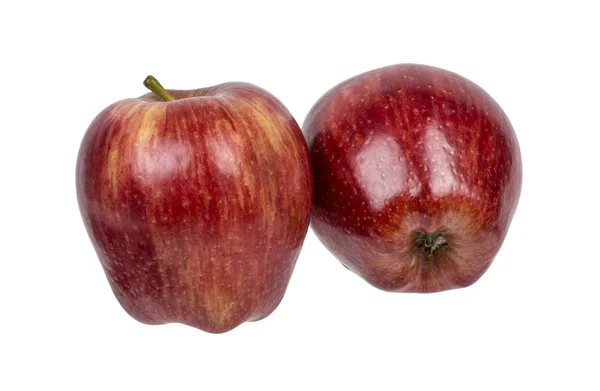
(197,202)
(417,175)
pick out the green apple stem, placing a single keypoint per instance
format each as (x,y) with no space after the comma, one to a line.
(153,85)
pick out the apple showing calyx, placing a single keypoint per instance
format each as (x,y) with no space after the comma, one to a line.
(197,202)
(417,175)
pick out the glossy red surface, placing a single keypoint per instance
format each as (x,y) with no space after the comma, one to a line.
(411,148)
(197,208)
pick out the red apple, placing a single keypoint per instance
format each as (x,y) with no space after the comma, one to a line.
(417,176)
(197,202)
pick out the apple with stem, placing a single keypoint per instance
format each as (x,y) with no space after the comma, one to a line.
(417,176)
(197,202)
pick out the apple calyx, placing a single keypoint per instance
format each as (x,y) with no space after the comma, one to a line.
(427,244)
(154,85)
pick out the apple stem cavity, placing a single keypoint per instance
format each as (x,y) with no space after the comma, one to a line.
(429,243)
(153,85)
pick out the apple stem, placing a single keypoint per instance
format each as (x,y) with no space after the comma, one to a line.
(153,85)
(429,243)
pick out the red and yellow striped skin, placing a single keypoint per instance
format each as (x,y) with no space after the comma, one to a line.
(197,208)
(410,148)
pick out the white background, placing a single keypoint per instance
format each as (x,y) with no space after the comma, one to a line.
(529,324)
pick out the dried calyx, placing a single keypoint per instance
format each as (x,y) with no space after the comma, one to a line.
(429,244)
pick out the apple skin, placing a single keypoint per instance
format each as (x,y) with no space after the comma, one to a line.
(417,175)
(198,207)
